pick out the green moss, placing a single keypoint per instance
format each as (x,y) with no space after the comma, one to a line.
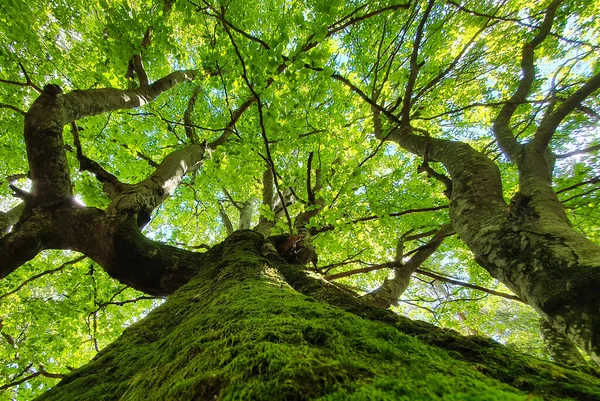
(240,332)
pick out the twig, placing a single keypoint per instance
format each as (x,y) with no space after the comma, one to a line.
(40,372)
(594,180)
(362,163)
(370,268)
(520,22)
(262,129)
(580,195)
(374,217)
(13,108)
(578,152)
(42,274)
(28,82)
(440,277)
(127,301)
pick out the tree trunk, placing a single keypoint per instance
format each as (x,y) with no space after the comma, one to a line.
(250,328)
(528,245)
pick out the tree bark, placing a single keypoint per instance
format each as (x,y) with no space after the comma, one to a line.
(528,245)
(250,328)
(50,219)
(561,349)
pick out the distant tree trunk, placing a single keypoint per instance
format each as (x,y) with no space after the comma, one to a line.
(250,328)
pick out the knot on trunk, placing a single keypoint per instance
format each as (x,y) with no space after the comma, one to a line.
(52,89)
(520,209)
(296,249)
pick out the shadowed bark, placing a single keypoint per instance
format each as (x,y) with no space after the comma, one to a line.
(50,219)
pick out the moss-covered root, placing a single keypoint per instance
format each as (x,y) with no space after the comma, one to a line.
(246,334)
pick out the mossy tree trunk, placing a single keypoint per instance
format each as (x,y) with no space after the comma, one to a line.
(250,328)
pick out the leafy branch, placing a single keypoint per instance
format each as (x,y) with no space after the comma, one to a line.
(331,227)
(40,371)
(28,82)
(501,127)
(42,274)
(263,131)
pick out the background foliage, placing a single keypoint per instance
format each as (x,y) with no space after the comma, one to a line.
(290,50)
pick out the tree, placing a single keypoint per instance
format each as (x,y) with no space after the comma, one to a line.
(180,116)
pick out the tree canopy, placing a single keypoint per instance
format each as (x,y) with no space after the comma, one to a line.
(337,120)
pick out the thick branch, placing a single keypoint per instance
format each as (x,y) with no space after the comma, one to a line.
(113,241)
(264,224)
(414,65)
(20,246)
(80,104)
(48,168)
(502,131)
(147,195)
(477,198)
(246,212)
(187,117)
(138,67)
(551,121)
(226,220)
(561,349)
(116,243)
(391,289)
(52,110)
(111,184)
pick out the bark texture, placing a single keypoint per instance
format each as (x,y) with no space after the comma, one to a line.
(50,219)
(560,348)
(528,244)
